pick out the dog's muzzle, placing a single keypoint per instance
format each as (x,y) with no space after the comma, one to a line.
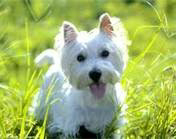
(95,75)
(97,88)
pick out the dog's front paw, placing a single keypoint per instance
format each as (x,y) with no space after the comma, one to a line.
(56,135)
(54,132)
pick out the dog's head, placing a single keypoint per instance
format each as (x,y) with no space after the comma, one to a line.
(94,59)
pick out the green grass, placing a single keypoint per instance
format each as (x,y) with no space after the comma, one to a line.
(28,27)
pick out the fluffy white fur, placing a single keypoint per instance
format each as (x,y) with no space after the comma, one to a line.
(65,97)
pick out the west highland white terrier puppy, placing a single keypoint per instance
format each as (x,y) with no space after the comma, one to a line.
(81,92)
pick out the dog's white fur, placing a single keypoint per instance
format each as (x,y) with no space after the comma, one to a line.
(65,96)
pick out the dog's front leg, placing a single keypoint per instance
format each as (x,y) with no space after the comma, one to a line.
(63,120)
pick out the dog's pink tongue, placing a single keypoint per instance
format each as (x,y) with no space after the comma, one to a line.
(98,90)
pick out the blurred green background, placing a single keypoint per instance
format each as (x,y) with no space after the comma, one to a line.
(42,18)
(29,26)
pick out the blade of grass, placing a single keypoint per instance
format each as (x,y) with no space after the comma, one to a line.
(22,130)
(3,130)
(133,64)
(27,48)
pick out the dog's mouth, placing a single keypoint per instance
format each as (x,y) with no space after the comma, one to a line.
(98,89)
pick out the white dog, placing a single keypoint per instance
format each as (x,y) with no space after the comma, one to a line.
(82,86)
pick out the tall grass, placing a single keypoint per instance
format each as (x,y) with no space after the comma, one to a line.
(149,79)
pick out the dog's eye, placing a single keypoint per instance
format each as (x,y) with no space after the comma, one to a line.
(81,58)
(104,53)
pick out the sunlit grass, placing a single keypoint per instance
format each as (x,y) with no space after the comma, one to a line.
(149,80)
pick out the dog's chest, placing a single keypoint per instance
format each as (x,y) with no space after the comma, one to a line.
(97,118)
(93,114)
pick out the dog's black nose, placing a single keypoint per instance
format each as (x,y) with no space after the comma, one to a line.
(95,75)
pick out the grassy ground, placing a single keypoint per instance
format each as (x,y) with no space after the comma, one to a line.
(28,27)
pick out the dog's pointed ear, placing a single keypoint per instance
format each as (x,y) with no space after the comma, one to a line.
(70,32)
(105,24)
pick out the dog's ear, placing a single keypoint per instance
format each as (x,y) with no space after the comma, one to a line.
(105,24)
(70,32)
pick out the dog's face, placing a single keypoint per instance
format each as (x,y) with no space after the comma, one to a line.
(95,59)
